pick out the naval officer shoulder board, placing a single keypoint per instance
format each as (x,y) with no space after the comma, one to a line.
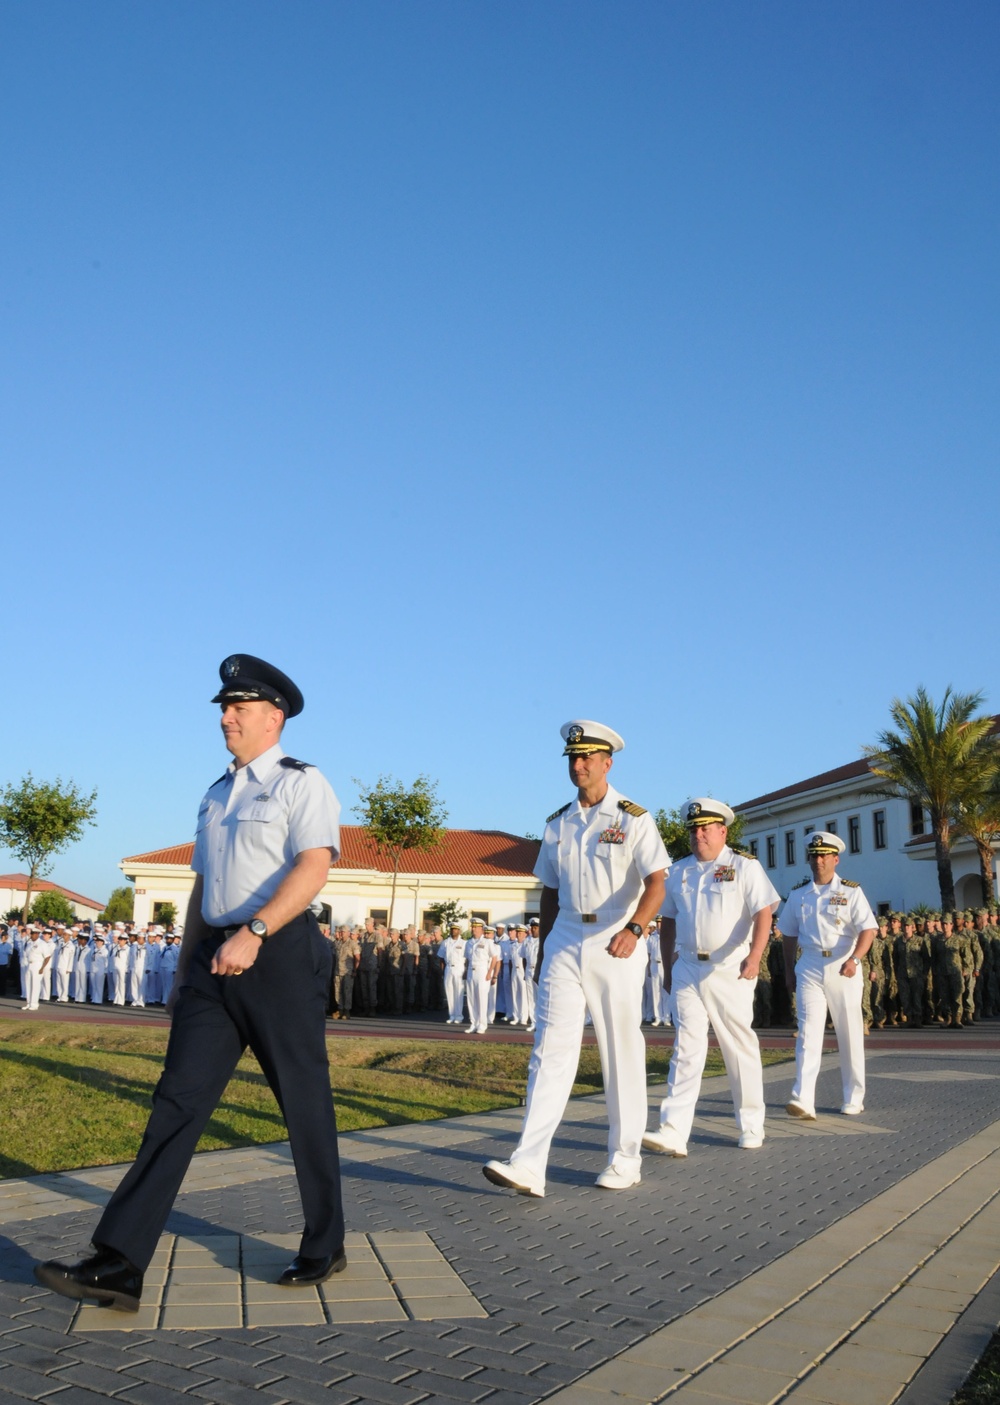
(556,813)
(849,883)
(804,884)
(631,808)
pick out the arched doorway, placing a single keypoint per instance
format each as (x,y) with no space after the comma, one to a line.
(969,891)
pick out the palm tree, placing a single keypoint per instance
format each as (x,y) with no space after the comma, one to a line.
(936,756)
(979,817)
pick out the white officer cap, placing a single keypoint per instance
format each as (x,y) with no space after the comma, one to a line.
(583,737)
(119,926)
(532,921)
(820,842)
(476,922)
(491,929)
(704,810)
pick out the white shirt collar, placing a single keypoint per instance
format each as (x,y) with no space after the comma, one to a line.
(261,766)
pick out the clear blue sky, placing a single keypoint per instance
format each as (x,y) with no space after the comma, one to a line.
(486,365)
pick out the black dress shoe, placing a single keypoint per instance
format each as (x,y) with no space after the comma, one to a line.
(301,1272)
(107,1278)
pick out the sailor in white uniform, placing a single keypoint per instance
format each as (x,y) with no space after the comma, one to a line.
(601,864)
(715,929)
(828,921)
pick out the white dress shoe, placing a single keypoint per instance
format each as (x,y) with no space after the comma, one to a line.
(852,1109)
(804,1114)
(751,1141)
(517,1178)
(666,1140)
(614,1178)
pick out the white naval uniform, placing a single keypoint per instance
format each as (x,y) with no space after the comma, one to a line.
(652,1003)
(452,953)
(505,998)
(62,960)
(480,952)
(45,991)
(530,961)
(827,919)
(98,973)
(33,955)
(602,880)
(518,985)
(713,904)
(137,974)
(151,979)
(119,972)
(168,968)
(81,972)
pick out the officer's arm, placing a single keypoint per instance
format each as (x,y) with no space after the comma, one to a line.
(861,948)
(654,886)
(548,911)
(750,965)
(668,941)
(294,894)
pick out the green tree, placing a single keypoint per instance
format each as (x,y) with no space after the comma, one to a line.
(444,914)
(121,906)
(39,819)
(165,914)
(52,906)
(674,833)
(935,756)
(397,818)
(978,817)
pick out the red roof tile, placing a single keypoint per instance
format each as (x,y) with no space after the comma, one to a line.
(470,852)
(19,882)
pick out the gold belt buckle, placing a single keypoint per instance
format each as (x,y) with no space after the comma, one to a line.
(588,916)
(703,956)
(825,953)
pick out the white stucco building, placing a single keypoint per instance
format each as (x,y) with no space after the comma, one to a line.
(487,872)
(13,887)
(890,850)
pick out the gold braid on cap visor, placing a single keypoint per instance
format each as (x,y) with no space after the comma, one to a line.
(585,748)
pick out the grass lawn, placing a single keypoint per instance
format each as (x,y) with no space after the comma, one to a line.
(983,1385)
(79,1096)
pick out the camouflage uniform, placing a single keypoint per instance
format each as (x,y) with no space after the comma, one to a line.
(411,965)
(762,1002)
(910,959)
(394,954)
(949,976)
(346,952)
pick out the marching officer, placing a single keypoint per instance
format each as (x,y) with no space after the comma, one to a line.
(832,925)
(717,922)
(254,970)
(601,864)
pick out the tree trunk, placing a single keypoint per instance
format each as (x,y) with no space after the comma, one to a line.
(942,852)
(986,869)
(29,889)
(392,900)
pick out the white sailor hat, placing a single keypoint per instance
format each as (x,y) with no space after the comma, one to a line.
(532,921)
(820,842)
(704,810)
(499,925)
(583,737)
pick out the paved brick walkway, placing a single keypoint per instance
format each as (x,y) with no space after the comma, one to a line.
(849,1260)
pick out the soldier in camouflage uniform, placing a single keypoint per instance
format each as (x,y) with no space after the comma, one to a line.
(424,964)
(972,966)
(762,990)
(367,976)
(949,974)
(393,956)
(910,961)
(346,956)
(411,965)
(782,1003)
(876,983)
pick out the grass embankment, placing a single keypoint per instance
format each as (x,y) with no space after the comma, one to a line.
(75,1096)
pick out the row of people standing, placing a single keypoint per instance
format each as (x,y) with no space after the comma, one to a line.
(479,976)
(88,963)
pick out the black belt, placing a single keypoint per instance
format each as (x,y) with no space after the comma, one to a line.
(703,956)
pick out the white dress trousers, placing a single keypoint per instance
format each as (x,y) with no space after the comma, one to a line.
(819,987)
(579,974)
(707,994)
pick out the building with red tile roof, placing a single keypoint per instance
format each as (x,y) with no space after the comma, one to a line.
(14,886)
(488,872)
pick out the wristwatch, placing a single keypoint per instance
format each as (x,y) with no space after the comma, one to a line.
(633,927)
(258,928)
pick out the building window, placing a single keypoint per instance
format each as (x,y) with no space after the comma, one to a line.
(884,909)
(854,834)
(480,915)
(754,846)
(789,846)
(831,826)
(772,854)
(379,915)
(916,818)
(878,828)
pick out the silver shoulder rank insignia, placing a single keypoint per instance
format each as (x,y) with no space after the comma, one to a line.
(849,883)
(290,763)
(631,808)
(556,813)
